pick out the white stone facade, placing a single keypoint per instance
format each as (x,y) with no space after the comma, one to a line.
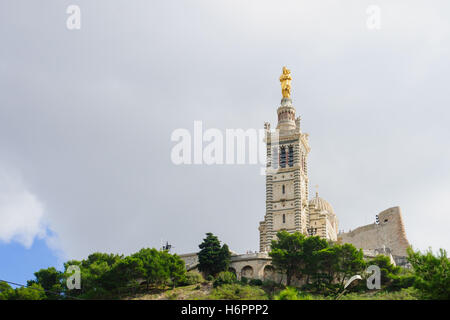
(287,183)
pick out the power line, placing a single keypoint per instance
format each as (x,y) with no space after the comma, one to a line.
(49,291)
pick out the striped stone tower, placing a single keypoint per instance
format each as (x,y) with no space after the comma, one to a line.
(286,173)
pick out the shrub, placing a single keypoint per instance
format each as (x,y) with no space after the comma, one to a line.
(291,293)
(403,294)
(270,287)
(244,280)
(192,277)
(172,295)
(270,284)
(237,291)
(390,282)
(401,281)
(388,270)
(224,277)
(255,282)
(432,273)
(324,288)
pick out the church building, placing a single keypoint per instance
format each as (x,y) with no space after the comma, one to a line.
(287,183)
(288,206)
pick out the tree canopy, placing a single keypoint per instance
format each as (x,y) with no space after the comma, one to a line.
(213,258)
(103,276)
(315,260)
(432,273)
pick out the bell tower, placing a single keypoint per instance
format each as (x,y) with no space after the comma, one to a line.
(286,172)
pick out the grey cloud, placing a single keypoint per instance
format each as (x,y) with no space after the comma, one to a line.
(86,116)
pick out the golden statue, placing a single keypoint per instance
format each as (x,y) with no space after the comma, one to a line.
(285,80)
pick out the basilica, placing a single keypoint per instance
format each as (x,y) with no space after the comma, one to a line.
(290,208)
(287,183)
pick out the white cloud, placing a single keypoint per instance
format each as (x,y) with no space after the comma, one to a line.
(21,212)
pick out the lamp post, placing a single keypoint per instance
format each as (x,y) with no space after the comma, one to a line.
(355,277)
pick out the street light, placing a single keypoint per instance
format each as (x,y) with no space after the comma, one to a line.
(355,277)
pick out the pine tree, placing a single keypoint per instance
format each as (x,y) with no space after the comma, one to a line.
(213,258)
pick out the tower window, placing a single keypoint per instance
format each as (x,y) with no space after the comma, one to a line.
(291,156)
(283,189)
(284,218)
(283,157)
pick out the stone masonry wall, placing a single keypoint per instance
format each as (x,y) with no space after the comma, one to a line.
(389,233)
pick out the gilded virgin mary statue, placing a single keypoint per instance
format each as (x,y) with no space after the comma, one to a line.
(285,80)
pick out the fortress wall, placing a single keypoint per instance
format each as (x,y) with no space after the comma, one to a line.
(390,232)
(190,260)
(250,265)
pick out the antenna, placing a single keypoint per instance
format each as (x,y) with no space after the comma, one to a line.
(167,247)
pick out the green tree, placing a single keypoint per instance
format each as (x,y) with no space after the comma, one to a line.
(6,292)
(96,282)
(432,273)
(50,279)
(387,269)
(327,262)
(349,262)
(287,254)
(313,258)
(98,258)
(174,266)
(309,257)
(154,271)
(66,275)
(213,258)
(335,264)
(126,273)
(32,292)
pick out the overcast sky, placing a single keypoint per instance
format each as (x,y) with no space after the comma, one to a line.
(86,117)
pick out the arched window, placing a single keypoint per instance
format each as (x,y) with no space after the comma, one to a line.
(283,157)
(247,272)
(291,156)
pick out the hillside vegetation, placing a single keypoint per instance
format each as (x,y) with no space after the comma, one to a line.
(241,291)
(323,268)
